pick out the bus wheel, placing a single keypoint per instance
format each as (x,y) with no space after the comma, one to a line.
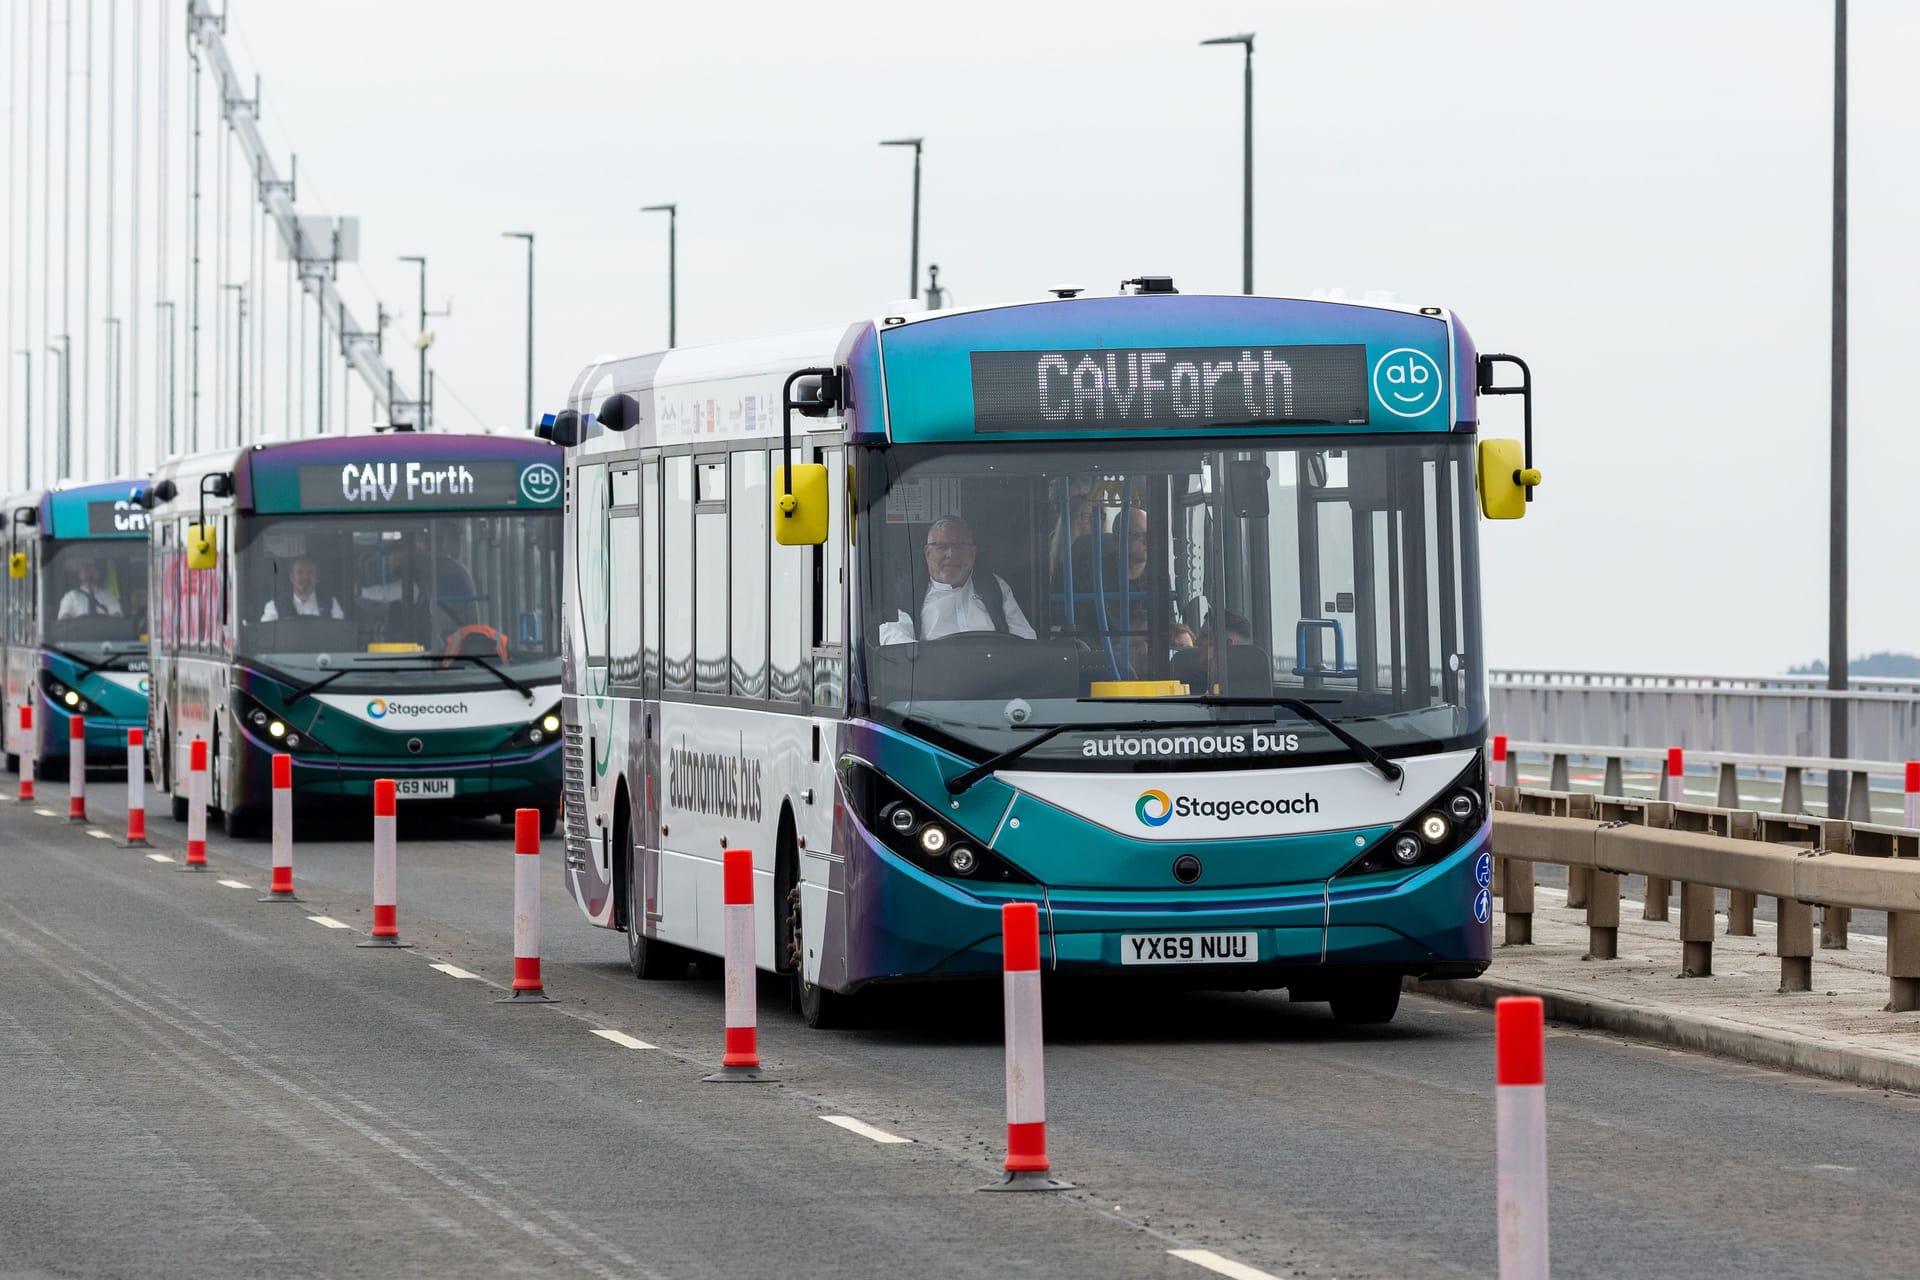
(1365,1001)
(13,763)
(549,818)
(650,959)
(238,823)
(818,1007)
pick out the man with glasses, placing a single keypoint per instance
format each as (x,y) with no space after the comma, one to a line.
(953,602)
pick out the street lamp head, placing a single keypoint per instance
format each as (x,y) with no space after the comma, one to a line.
(1245,38)
(903,142)
(413,257)
(659,208)
(517,235)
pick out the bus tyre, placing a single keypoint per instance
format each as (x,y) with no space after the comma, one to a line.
(13,763)
(238,823)
(650,959)
(1365,1001)
(818,1007)
(549,818)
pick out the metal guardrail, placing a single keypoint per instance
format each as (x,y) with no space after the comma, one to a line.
(1737,774)
(1779,716)
(1800,862)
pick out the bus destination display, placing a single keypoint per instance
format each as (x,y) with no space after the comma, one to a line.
(1146,388)
(333,487)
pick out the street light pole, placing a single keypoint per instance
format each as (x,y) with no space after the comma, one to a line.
(1246,194)
(26,433)
(913,269)
(528,237)
(1837,745)
(673,218)
(239,362)
(113,398)
(63,458)
(420,413)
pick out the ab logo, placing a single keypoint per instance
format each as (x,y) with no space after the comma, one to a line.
(1407,382)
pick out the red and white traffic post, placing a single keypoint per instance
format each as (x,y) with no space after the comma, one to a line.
(1520,1052)
(1506,770)
(282,887)
(741,1065)
(1676,775)
(386,868)
(77,769)
(1913,795)
(28,742)
(136,787)
(1026,1165)
(527,988)
(197,805)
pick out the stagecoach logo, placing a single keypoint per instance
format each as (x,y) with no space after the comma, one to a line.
(377,708)
(146,686)
(1407,382)
(539,484)
(727,786)
(1153,808)
(381,708)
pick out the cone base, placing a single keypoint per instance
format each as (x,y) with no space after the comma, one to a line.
(535,996)
(193,866)
(383,942)
(1028,1180)
(738,1075)
(140,843)
(278,897)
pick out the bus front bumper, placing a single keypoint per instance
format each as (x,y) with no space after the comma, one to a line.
(495,783)
(903,923)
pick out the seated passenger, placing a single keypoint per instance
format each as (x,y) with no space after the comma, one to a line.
(300,599)
(952,602)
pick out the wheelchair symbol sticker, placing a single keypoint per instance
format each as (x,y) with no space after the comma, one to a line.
(1483,870)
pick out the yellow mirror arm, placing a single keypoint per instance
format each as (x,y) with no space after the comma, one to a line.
(1528,476)
(787,504)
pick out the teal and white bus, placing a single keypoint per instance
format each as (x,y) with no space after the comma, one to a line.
(377,605)
(1159,611)
(76,619)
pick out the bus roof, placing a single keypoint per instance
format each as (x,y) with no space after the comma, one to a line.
(96,509)
(1118,365)
(388,471)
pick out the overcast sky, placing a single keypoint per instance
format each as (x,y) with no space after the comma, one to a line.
(1632,196)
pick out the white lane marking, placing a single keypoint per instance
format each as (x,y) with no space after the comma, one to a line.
(621,1038)
(454,971)
(46,813)
(98,834)
(1837,1168)
(1223,1266)
(236,884)
(328,922)
(865,1130)
(158,857)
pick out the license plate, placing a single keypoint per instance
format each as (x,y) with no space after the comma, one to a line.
(423,788)
(1189,948)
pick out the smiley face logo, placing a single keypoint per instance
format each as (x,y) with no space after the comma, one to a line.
(1153,808)
(377,708)
(1407,382)
(539,484)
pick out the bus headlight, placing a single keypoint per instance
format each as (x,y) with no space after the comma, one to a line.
(277,729)
(907,829)
(258,717)
(961,860)
(933,838)
(537,730)
(550,722)
(900,818)
(71,697)
(1439,829)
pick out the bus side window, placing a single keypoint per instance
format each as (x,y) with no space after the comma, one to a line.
(792,629)
(676,567)
(591,568)
(750,506)
(650,576)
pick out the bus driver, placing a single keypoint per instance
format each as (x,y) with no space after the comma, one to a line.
(952,602)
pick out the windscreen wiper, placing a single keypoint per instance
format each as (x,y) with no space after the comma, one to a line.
(477,659)
(1389,770)
(323,681)
(87,667)
(962,781)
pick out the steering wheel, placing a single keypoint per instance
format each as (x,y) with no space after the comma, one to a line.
(457,640)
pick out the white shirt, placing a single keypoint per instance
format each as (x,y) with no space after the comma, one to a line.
(949,610)
(308,608)
(95,600)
